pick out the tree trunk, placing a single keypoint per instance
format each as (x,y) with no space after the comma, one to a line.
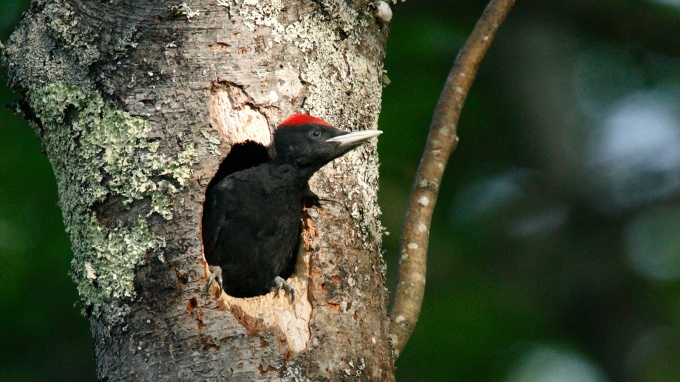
(137,103)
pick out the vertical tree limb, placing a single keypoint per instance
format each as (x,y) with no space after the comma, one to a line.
(137,104)
(441,142)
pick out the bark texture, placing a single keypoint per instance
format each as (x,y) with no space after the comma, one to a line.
(137,104)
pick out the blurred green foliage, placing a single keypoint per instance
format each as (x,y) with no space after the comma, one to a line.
(554,252)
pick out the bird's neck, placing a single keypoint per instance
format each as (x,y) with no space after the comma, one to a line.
(292,172)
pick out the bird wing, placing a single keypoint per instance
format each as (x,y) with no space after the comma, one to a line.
(218,210)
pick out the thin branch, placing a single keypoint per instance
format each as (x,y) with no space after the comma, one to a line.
(441,142)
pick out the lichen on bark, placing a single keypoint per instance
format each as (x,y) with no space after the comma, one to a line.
(100,152)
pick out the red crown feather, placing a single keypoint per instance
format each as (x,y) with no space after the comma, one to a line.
(303,119)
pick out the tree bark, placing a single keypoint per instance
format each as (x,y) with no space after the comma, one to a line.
(137,104)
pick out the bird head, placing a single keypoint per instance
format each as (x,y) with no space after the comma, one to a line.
(309,142)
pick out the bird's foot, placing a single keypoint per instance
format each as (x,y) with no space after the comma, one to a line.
(310,199)
(215,274)
(281,283)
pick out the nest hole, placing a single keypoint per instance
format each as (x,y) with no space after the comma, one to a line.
(242,156)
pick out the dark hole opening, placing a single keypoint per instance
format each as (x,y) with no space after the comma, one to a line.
(242,156)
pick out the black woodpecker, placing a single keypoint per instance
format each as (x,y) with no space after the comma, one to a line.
(252,218)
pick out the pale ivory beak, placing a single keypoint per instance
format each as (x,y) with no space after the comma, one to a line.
(354,137)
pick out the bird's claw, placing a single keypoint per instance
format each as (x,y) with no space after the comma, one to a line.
(310,198)
(281,283)
(215,274)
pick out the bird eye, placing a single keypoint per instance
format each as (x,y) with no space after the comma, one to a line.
(315,133)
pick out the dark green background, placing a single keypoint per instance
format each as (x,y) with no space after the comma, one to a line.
(555,246)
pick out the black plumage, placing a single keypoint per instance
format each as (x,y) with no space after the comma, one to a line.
(252,218)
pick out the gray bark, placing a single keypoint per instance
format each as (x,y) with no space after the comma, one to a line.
(137,103)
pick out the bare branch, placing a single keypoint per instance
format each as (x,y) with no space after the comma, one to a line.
(441,142)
